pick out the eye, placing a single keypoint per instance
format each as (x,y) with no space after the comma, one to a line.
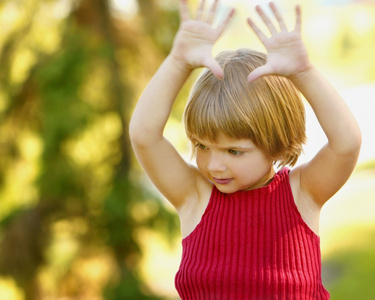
(234,152)
(200,146)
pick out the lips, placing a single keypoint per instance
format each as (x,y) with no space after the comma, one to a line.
(222,180)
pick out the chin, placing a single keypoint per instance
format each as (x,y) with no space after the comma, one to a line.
(226,189)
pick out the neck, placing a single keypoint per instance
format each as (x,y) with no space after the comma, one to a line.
(264,181)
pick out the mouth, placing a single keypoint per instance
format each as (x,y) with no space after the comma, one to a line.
(222,180)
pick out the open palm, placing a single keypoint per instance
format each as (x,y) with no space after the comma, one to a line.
(287,54)
(195,38)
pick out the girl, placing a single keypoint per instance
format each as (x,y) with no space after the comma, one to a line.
(249,231)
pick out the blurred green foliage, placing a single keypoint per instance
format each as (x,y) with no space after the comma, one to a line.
(350,271)
(68,184)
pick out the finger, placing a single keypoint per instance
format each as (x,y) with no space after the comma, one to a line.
(184,12)
(259,72)
(211,14)
(225,23)
(214,66)
(298,25)
(200,11)
(267,21)
(278,17)
(261,36)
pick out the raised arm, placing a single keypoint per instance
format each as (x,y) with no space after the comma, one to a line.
(325,174)
(191,49)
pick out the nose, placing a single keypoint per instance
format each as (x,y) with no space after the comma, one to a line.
(215,164)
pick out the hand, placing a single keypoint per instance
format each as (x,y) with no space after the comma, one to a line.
(195,38)
(287,54)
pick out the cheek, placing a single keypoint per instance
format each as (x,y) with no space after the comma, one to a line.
(200,160)
(256,161)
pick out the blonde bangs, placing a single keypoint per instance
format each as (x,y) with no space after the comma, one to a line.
(216,111)
(268,111)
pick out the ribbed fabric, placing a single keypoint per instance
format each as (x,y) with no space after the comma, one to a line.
(252,245)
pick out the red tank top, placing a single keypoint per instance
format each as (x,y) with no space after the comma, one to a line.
(252,245)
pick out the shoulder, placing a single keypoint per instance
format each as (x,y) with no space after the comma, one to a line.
(194,207)
(307,207)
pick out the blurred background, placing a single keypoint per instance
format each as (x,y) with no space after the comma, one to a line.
(78,218)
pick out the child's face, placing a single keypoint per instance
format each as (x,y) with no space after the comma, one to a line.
(233,164)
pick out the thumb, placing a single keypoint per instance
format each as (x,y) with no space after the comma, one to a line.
(215,68)
(259,72)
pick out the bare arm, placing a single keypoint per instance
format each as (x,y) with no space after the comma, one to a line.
(191,49)
(328,171)
(157,156)
(325,174)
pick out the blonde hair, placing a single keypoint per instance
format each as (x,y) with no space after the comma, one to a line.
(268,111)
